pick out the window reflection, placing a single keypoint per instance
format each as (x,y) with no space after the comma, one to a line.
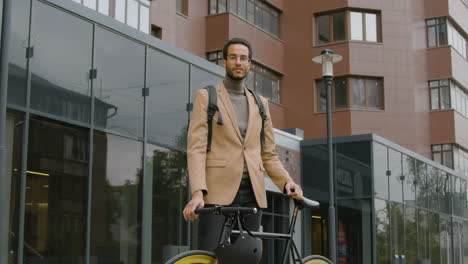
(58,90)
(411,232)
(170,192)
(18,44)
(57,180)
(116,224)
(380,170)
(382,235)
(119,83)
(13,140)
(168,82)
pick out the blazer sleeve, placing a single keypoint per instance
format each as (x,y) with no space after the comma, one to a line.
(270,158)
(197,142)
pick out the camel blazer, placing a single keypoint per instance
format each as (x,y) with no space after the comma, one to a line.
(219,172)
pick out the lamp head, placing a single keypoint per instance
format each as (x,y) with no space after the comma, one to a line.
(327,58)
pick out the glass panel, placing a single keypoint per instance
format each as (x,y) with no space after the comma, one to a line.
(397,231)
(118,102)
(132,13)
(424,186)
(56,192)
(444,192)
(323,29)
(17,62)
(423,252)
(266,21)
(104,7)
(380,171)
(179,6)
(382,235)
(13,147)
(170,191)
(371,27)
(409,173)
(447,157)
(434,99)
(221,6)
(434,237)
(167,102)
(339,27)
(431,37)
(359,92)
(442,32)
(457,242)
(201,79)
(356,26)
(232,6)
(445,240)
(250,11)
(394,165)
(120,10)
(322,96)
(241,9)
(213,7)
(275,91)
(436,147)
(55,89)
(465,239)
(275,25)
(90,4)
(374,93)
(411,232)
(144,19)
(341,93)
(116,228)
(258,16)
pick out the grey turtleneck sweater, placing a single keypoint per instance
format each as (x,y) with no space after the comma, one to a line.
(236,91)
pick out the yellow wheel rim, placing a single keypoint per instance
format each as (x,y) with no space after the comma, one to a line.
(197,259)
(315,261)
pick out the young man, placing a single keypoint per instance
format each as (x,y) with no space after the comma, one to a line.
(232,172)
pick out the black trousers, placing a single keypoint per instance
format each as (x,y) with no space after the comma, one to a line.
(210,225)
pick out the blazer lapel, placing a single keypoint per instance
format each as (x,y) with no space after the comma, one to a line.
(222,93)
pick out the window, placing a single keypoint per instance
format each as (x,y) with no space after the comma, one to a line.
(182,7)
(440,94)
(134,13)
(443,154)
(447,94)
(352,92)
(256,12)
(441,32)
(260,79)
(333,27)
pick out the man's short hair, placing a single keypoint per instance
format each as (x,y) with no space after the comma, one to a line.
(236,41)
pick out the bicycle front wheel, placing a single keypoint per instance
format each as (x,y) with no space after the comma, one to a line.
(316,259)
(194,257)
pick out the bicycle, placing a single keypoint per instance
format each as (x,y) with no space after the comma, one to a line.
(232,242)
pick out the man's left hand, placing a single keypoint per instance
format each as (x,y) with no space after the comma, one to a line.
(293,190)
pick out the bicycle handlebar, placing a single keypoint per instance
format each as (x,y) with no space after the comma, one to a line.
(226,210)
(221,210)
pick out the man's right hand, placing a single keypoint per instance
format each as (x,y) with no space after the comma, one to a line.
(194,203)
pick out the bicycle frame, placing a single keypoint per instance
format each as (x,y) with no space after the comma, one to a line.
(290,245)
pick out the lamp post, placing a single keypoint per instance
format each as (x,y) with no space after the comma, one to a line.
(327,58)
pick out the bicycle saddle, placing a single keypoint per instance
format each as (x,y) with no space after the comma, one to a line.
(246,250)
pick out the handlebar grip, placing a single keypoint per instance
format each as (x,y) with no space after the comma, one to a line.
(245,210)
(309,203)
(205,210)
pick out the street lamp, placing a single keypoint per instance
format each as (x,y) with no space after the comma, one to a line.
(327,58)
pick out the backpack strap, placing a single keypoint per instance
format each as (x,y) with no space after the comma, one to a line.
(261,108)
(212,109)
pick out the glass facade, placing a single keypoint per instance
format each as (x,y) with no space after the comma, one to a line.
(89,123)
(96,133)
(402,207)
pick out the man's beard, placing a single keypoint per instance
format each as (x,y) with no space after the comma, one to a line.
(234,77)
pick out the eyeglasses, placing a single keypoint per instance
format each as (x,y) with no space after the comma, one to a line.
(234,58)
